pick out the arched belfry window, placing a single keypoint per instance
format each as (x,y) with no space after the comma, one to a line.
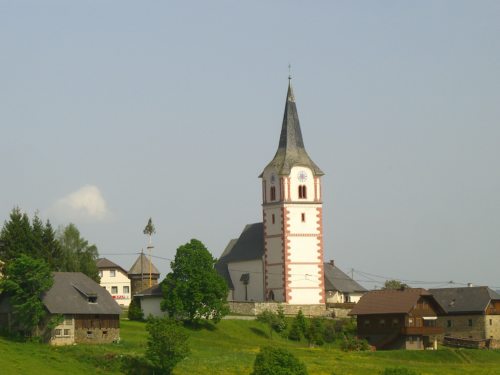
(302,192)
(273,193)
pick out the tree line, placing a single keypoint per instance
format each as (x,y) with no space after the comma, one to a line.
(63,250)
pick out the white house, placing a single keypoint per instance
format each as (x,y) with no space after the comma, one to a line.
(115,280)
(150,301)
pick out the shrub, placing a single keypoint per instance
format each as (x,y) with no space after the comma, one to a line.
(276,361)
(295,332)
(314,332)
(329,331)
(354,344)
(135,311)
(398,371)
(166,346)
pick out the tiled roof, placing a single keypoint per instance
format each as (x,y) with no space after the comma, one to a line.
(71,292)
(154,291)
(336,280)
(104,263)
(464,300)
(388,301)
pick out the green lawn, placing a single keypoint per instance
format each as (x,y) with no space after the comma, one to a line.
(230,348)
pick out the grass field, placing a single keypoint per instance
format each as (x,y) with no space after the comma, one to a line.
(230,348)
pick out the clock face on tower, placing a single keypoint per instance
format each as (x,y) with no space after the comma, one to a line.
(302,176)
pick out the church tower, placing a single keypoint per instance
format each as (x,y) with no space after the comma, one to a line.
(292,218)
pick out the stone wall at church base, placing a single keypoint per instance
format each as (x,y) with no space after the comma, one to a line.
(255,308)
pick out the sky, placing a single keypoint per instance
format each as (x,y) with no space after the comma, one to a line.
(113,112)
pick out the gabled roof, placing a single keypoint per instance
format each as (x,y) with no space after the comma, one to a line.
(248,246)
(104,263)
(71,292)
(336,280)
(141,266)
(464,300)
(154,291)
(388,301)
(291,151)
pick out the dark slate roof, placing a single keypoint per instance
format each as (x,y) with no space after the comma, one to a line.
(249,246)
(70,292)
(336,280)
(104,263)
(464,300)
(291,150)
(141,266)
(388,301)
(154,291)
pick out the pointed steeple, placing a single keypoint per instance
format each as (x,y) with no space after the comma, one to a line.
(291,151)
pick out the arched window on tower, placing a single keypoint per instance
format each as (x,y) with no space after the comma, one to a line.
(302,192)
(273,193)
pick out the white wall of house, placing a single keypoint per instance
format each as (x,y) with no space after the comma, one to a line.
(151,306)
(339,297)
(255,287)
(117,283)
(64,332)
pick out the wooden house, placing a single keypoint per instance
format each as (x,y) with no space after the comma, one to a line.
(398,319)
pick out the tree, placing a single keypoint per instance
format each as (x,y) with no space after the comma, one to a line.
(193,290)
(167,345)
(134,310)
(25,280)
(314,332)
(19,236)
(78,255)
(275,321)
(277,361)
(394,284)
(16,236)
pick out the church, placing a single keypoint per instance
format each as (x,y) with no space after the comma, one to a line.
(281,258)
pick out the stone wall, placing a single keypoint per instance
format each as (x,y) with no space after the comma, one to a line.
(97,335)
(255,308)
(460,326)
(492,324)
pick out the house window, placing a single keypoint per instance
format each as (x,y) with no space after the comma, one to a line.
(470,322)
(448,323)
(273,219)
(410,322)
(90,334)
(273,193)
(302,192)
(112,273)
(382,322)
(395,322)
(57,332)
(126,289)
(491,322)
(114,290)
(100,273)
(366,322)
(303,217)
(67,332)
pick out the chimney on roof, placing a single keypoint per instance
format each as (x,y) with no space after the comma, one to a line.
(332,262)
(470,285)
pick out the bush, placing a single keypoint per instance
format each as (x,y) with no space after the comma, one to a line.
(166,346)
(314,332)
(354,344)
(398,371)
(295,332)
(329,331)
(276,361)
(275,321)
(135,311)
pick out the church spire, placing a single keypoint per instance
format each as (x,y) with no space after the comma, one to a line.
(291,151)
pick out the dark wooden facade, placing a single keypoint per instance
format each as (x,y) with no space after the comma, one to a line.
(416,329)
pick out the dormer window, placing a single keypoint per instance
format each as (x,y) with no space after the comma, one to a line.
(302,192)
(92,299)
(112,273)
(273,193)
